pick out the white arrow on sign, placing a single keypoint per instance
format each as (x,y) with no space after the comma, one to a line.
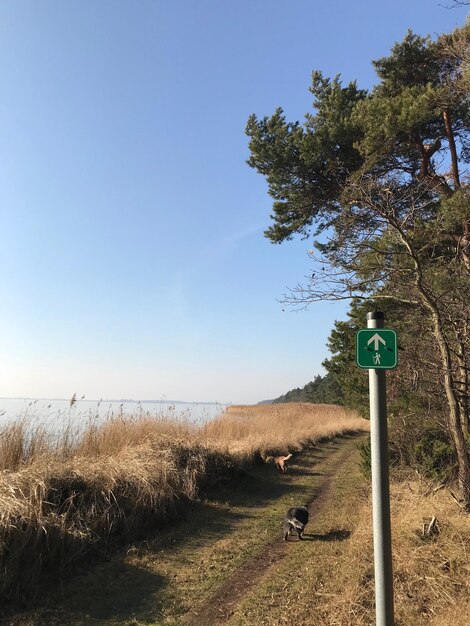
(376,338)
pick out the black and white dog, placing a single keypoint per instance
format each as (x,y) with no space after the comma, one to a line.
(295,521)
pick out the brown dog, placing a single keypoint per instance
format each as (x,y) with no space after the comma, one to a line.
(280,462)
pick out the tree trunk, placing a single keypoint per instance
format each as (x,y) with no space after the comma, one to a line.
(452,148)
(427,175)
(454,420)
(465,244)
(463,389)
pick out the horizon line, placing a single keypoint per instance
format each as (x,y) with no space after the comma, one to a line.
(122,400)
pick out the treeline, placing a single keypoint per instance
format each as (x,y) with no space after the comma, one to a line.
(416,400)
(379,180)
(321,390)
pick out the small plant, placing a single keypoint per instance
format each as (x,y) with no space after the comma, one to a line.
(365,460)
(434,455)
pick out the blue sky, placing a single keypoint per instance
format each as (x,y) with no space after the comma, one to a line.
(133,262)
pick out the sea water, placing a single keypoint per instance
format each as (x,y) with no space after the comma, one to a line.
(59,415)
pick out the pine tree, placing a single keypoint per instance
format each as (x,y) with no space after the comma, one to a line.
(376,178)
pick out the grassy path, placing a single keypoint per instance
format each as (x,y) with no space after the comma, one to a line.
(227,563)
(264,565)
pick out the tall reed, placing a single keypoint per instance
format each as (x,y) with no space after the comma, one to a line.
(253,429)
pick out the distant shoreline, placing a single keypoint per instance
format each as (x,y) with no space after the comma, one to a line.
(124,400)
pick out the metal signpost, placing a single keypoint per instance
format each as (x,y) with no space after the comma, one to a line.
(376,350)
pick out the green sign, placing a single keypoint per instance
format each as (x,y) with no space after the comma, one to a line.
(376,348)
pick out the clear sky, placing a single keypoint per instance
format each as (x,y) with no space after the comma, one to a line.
(132,257)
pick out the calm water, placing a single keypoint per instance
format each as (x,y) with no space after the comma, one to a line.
(57,415)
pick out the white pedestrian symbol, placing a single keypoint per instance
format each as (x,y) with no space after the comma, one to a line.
(376,358)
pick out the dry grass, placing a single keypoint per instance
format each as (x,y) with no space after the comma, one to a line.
(64,499)
(329,581)
(431,574)
(19,446)
(278,428)
(326,581)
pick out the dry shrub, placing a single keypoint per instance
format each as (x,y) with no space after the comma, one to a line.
(57,513)
(431,574)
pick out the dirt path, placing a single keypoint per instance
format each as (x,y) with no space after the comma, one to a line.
(226,561)
(221,605)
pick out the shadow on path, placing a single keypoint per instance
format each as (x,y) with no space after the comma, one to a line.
(117,590)
(332,535)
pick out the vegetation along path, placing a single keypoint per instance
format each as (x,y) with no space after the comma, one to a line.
(227,562)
